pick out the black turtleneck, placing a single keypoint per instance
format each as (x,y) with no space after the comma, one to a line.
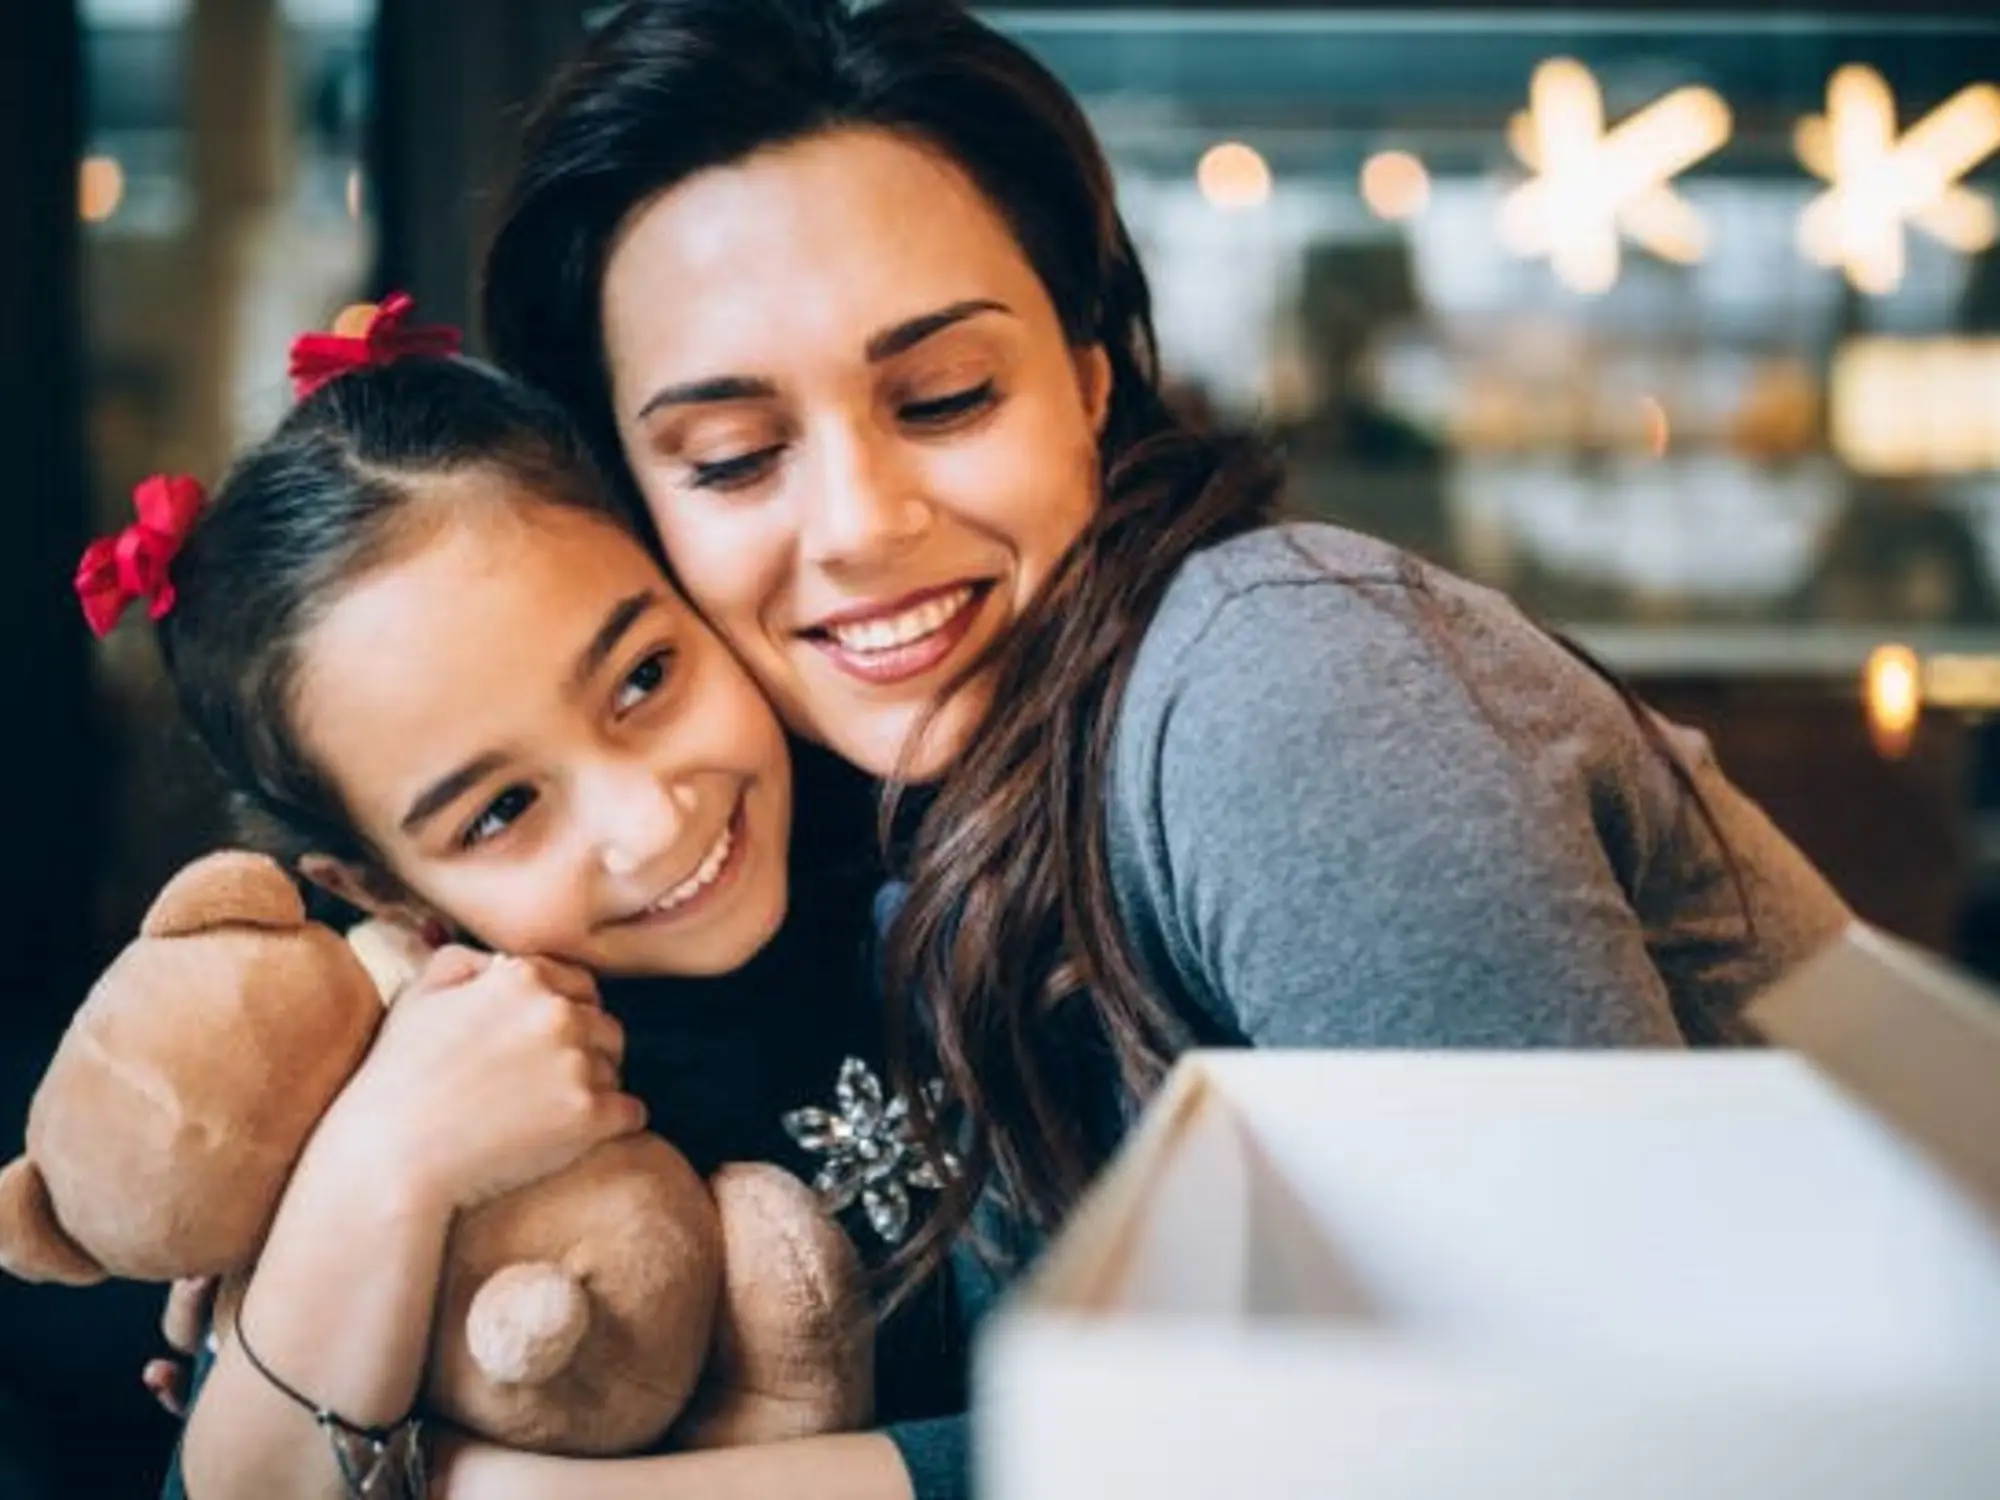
(720,1061)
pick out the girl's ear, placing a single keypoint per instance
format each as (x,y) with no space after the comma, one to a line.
(369,890)
(1093,377)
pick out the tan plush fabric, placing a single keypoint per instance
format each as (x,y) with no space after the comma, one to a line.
(577,1315)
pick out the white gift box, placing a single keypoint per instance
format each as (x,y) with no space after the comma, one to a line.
(1734,1276)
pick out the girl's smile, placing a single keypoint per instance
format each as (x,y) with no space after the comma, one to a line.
(688,898)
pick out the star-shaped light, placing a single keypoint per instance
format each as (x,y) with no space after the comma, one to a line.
(1593,184)
(872,1152)
(1877,182)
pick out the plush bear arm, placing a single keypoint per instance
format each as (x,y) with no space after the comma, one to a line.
(794,1347)
(33,1244)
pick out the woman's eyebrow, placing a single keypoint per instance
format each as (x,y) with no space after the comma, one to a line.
(885,344)
(713,390)
(906,335)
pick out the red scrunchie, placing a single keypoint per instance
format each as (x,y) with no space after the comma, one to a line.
(320,357)
(118,571)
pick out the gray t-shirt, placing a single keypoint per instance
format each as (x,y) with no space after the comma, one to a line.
(1360,802)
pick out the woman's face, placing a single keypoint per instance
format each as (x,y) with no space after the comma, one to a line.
(546,745)
(857,423)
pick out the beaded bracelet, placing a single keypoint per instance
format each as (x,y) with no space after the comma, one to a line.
(376,1463)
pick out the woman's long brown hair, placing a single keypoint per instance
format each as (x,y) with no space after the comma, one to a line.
(1011,915)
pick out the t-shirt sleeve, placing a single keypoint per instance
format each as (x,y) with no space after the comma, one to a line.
(1383,810)
(174,1487)
(937,1453)
(1728,902)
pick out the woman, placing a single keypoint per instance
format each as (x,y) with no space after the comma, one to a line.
(847,292)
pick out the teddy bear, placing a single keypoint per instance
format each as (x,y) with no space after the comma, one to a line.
(594,1312)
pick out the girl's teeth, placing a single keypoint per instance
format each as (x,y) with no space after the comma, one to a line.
(904,629)
(704,875)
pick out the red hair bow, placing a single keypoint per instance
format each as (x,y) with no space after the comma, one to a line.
(118,570)
(320,357)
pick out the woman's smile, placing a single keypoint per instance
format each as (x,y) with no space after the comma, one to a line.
(894,642)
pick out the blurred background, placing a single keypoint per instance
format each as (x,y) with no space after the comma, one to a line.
(1683,328)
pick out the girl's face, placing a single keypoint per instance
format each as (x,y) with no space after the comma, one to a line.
(857,423)
(546,746)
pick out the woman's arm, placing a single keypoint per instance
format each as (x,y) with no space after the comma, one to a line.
(1693,893)
(845,1466)
(1358,805)
(927,1459)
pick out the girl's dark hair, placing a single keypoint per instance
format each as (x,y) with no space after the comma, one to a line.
(332,493)
(1010,912)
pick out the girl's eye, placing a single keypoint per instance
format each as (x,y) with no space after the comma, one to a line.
(942,411)
(500,814)
(735,473)
(643,681)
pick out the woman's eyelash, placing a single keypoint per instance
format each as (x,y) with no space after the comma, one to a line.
(945,408)
(725,472)
(746,468)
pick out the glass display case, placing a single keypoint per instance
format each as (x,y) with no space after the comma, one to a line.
(1685,331)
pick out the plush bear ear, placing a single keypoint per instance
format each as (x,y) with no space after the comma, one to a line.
(33,1245)
(231,889)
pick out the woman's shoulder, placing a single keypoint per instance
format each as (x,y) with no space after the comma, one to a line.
(1311,598)
(1317,652)
(1288,554)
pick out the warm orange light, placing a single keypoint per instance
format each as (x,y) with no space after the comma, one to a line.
(1592,184)
(1395,185)
(1657,430)
(1963,682)
(100,188)
(1877,180)
(1233,176)
(1892,691)
(354,193)
(1916,406)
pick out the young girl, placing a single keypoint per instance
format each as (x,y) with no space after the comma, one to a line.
(457,691)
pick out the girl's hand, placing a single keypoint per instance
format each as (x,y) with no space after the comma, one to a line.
(182,1323)
(489,1073)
